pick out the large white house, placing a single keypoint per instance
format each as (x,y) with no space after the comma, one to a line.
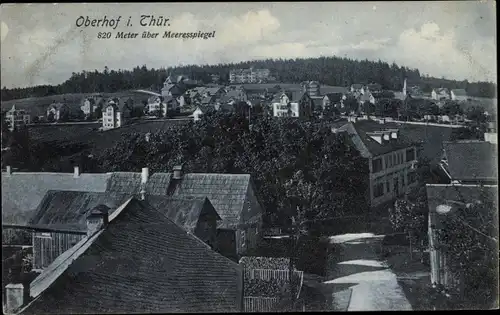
(155,104)
(115,114)
(292,104)
(16,117)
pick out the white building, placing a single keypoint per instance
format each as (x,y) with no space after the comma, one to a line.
(90,105)
(115,114)
(440,94)
(155,104)
(284,107)
(250,75)
(16,117)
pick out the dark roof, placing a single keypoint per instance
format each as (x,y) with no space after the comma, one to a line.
(226,192)
(68,210)
(357,86)
(185,212)
(142,262)
(124,182)
(335,97)
(327,89)
(363,128)
(317,101)
(23,192)
(471,160)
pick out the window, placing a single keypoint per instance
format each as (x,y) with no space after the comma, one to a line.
(378,190)
(403,179)
(377,165)
(410,155)
(388,186)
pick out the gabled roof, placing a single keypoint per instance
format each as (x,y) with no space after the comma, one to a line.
(441,91)
(142,262)
(459,92)
(68,210)
(212,90)
(184,211)
(23,192)
(226,192)
(360,130)
(472,160)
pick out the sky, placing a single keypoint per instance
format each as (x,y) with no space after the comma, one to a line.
(41,44)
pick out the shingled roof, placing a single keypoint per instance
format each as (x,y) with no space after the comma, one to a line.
(68,210)
(472,160)
(275,263)
(359,132)
(226,192)
(23,192)
(185,212)
(142,262)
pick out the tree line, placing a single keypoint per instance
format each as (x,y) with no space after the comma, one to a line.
(334,71)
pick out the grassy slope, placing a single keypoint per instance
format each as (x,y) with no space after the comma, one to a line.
(38,105)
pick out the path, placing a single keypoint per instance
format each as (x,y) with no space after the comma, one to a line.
(374,286)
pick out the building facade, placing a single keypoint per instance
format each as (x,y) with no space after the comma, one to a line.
(440,94)
(250,75)
(311,87)
(292,104)
(17,117)
(115,114)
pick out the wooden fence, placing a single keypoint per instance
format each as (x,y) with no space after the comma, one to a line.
(268,274)
(260,304)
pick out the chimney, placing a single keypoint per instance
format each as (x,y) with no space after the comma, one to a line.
(14,296)
(9,170)
(144,175)
(144,180)
(178,172)
(97,219)
(76,172)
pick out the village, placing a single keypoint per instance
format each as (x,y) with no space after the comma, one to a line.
(174,240)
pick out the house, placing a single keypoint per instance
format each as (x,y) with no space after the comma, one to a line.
(491,133)
(137,261)
(292,104)
(18,206)
(115,114)
(177,85)
(59,222)
(445,202)
(58,111)
(250,75)
(155,104)
(232,195)
(440,94)
(360,88)
(366,97)
(311,87)
(91,104)
(391,158)
(470,161)
(215,92)
(334,99)
(458,95)
(267,283)
(17,117)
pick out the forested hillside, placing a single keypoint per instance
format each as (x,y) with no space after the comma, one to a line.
(328,70)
